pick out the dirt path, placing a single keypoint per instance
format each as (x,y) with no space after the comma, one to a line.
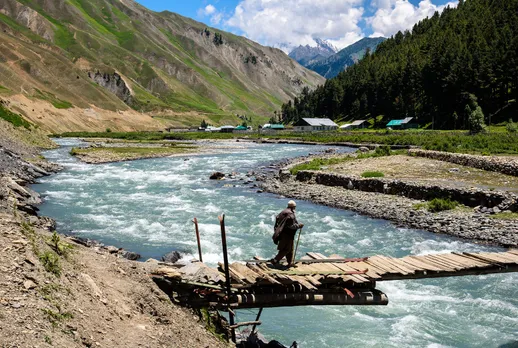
(98,300)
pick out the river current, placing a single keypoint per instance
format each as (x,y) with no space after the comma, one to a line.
(147,206)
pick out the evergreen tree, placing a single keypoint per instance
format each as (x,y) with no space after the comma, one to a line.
(429,72)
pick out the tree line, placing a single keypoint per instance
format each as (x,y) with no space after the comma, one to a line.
(450,69)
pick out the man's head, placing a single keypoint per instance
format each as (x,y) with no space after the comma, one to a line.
(292,205)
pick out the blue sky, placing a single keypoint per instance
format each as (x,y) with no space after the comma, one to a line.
(289,23)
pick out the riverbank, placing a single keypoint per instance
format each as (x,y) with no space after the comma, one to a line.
(54,292)
(479,224)
(451,141)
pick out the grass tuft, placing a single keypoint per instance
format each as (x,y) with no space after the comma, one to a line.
(15,119)
(50,261)
(372,174)
(437,205)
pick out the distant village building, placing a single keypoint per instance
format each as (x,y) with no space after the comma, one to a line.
(406,123)
(359,124)
(346,126)
(273,126)
(315,124)
(227,129)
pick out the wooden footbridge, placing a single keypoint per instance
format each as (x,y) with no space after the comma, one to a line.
(313,280)
(319,280)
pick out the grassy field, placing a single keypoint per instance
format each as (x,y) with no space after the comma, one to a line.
(452,141)
(112,154)
(147,136)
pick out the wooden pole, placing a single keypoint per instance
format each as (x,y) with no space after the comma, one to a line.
(257,319)
(227,274)
(195,221)
(296,248)
(246,323)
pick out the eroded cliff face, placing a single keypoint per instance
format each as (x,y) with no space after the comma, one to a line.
(28,17)
(113,83)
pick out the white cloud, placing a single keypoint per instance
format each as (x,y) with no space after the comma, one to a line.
(289,23)
(210,9)
(394,15)
(211,12)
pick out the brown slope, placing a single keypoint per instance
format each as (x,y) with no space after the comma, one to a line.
(170,64)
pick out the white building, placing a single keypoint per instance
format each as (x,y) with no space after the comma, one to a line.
(315,124)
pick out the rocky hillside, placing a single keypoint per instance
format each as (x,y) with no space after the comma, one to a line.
(333,65)
(93,57)
(307,55)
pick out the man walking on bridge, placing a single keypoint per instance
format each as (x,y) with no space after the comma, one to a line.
(286,226)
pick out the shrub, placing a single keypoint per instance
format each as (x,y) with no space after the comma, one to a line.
(511,127)
(440,204)
(50,262)
(60,247)
(373,175)
(382,151)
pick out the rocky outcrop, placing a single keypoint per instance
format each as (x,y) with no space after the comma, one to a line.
(28,17)
(502,165)
(113,83)
(470,197)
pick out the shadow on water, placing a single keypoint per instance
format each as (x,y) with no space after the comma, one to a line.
(513,344)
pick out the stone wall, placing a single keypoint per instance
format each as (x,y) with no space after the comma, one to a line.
(502,201)
(493,164)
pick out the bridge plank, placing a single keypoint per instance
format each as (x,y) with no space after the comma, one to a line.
(263,275)
(488,257)
(342,268)
(321,268)
(235,275)
(416,265)
(249,275)
(305,283)
(443,265)
(394,263)
(436,267)
(476,261)
(463,261)
(449,262)
(379,262)
(510,255)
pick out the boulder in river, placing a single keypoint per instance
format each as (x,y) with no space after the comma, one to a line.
(217,176)
(172,257)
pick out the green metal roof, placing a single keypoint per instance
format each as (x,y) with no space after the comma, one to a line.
(240,128)
(277,126)
(395,123)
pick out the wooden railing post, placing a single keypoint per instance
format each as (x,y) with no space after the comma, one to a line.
(227,275)
(195,221)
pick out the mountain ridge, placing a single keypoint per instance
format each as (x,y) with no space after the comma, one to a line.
(331,66)
(169,64)
(306,55)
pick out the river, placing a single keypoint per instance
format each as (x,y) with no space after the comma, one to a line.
(147,206)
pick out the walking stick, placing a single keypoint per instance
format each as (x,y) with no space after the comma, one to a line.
(295,253)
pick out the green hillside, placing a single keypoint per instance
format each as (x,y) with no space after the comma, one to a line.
(165,61)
